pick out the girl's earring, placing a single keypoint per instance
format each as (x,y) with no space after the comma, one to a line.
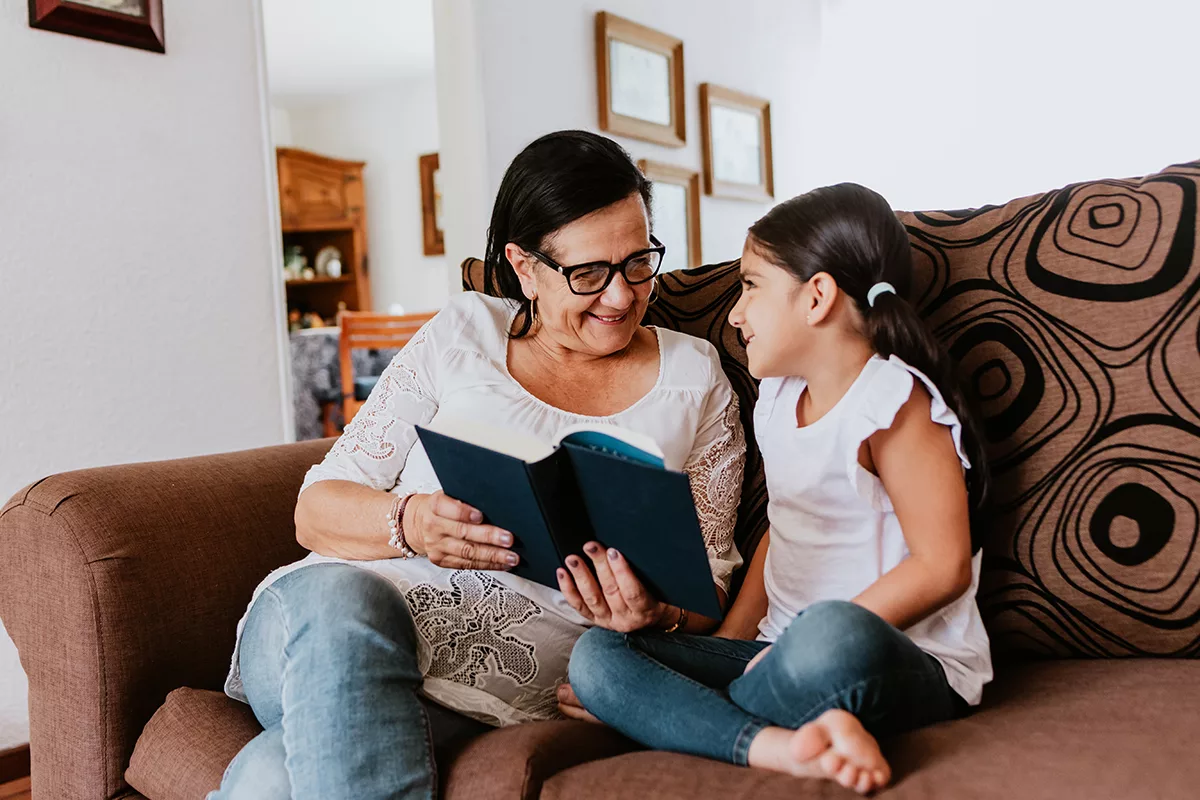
(809,319)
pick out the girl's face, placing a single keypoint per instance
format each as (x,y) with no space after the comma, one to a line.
(771,315)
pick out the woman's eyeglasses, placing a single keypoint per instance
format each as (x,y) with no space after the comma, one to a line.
(595,276)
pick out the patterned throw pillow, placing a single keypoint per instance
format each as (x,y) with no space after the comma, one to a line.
(1074,318)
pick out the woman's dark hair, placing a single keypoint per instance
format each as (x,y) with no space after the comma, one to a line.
(554,181)
(851,233)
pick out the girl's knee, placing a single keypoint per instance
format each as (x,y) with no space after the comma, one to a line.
(832,636)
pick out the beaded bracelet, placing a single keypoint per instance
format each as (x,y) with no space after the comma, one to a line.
(395,523)
(679,623)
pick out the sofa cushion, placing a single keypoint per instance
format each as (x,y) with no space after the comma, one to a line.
(185,747)
(1070,729)
(1073,316)
(184,750)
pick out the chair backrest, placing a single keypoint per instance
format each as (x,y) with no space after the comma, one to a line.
(1074,319)
(369,330)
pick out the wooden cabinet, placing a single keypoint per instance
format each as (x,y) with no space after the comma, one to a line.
(322,203)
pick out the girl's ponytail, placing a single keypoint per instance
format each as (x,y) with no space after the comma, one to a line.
(895,329)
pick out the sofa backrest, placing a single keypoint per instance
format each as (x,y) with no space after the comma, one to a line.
(1074,319)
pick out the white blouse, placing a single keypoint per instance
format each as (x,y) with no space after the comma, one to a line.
(493,645)
(834,531)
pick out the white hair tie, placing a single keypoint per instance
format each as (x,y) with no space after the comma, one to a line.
(878,289)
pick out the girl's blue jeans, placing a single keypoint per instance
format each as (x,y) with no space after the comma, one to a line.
(689,694)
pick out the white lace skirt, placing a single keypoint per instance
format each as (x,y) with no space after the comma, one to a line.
(491,645)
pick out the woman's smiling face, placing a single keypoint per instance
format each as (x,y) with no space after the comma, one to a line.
(597,324)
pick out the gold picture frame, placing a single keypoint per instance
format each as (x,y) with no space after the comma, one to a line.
(639,74)
(735,134)
(667,218)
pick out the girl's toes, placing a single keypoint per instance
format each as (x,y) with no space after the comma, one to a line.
(831,763)
(848,776)
(866,782)
(882,776)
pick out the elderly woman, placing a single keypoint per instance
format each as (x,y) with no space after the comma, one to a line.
(403,628)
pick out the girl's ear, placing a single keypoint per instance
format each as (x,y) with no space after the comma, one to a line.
(523,264)
(822,293)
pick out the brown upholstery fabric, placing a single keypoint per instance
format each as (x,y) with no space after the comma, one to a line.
(1073,316)
(1119,729)
(186,745)
(122,583)
(514,762)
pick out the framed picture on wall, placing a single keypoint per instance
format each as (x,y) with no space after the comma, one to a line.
(431,205)
(639,74)
(676,212)
(133,23)
(735,132)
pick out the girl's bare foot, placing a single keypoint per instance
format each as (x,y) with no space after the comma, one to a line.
(834,746)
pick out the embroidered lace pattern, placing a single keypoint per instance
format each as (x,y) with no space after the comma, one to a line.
(716,478)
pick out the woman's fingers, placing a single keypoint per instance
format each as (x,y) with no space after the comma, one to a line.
(608,581)
(635,595)
(589,589)
(449,508)
(566,585)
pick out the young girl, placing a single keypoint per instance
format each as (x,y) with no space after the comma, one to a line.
(857,618)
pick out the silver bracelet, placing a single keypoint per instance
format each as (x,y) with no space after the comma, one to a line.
(395,522)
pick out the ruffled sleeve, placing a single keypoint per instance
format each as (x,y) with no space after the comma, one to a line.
(715,468)
(889,390)
(375,445)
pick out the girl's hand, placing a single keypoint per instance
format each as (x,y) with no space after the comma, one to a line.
(754,661)
(570,707)
(618,601)
(451,534)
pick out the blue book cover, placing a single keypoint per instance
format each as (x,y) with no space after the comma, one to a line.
(599,483)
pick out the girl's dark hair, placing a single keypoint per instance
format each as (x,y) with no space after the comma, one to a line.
(851,233)
(554,181)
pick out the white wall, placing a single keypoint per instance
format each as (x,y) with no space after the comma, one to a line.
(536,73)
(389,128)
(946,104)
(138,286)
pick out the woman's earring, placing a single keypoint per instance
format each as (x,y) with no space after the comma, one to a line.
(653,293)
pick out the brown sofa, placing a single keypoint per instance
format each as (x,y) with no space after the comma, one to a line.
(1075,320)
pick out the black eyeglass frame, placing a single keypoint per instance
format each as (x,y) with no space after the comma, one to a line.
(613,269)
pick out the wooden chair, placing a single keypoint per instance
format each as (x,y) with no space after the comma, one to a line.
(367,329)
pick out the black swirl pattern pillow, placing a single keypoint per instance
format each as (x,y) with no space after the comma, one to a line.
(1074,319)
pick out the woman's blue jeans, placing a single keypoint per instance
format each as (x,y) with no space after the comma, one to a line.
(328,660)
(689,694)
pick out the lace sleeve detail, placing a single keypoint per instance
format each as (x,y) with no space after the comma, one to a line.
(373,448)
(715,472)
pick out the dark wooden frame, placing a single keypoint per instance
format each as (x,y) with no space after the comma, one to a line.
(658,172)
(610,26)
(711,95)
(14,764)
(63,16)
(435,242)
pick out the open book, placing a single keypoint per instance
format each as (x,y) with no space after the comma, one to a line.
(596,482)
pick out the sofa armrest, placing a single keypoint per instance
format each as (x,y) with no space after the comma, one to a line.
(120,584)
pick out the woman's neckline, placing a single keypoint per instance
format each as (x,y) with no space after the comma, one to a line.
(836,408)
(658,340)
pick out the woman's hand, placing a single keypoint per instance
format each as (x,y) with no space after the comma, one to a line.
(451,533)
(618,601)
(570,707)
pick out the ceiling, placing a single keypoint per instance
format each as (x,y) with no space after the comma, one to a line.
(330,47)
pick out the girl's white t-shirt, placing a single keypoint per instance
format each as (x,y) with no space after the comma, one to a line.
(833,529)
